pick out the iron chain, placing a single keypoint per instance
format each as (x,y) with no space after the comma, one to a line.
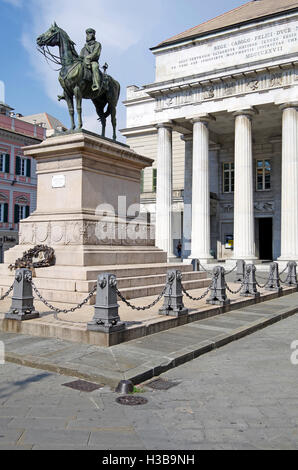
(204,269)
(266,283)
(231,270)
(135,307)
(58,310)
(7,292)
(235,291)
(196,298)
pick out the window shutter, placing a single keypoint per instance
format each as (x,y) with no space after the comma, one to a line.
(27,211)
(7,163)
(16,213)
(18,165)
(5,216)
(28,169)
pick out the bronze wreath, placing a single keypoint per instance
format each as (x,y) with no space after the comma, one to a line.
(26,260)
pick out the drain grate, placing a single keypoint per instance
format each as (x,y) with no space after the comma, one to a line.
(161,384)
(131,400)
(82,385)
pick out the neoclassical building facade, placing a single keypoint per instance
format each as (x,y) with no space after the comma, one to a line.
(221,122)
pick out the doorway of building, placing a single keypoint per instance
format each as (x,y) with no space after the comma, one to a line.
(265,238)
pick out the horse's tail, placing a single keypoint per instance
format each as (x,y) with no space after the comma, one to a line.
(117,94)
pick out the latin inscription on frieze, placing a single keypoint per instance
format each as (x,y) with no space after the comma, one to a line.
(261,43)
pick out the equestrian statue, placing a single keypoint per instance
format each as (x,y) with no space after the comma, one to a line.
(80,75)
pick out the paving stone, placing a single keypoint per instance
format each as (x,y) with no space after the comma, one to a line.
(37,423)
(55,436)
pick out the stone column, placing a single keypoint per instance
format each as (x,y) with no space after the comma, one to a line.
(244,234)
(200,233)
(187,198)
(164,189)
(289,183)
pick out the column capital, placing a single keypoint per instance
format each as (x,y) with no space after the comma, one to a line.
(164,125)
(290,104)
(187,137)
(248,112)
(206,118)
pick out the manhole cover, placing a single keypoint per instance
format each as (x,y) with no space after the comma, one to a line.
(131,400)
(83,385)
(161,384)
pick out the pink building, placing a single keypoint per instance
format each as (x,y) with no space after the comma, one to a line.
(17,174)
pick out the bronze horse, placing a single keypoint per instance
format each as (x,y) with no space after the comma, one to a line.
(76,79)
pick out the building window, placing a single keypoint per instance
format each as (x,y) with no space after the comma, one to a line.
(263,175)
(4,162)
(23,166)
(3,212)
(228,177)
(154,179)
(20,212)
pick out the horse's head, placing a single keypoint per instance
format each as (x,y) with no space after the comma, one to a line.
(50,37)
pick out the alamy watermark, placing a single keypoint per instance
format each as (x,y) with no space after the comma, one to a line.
(294,355)
(2,353)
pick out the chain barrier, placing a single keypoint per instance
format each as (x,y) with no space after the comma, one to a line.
(58,310)
(196,298)
(264,285)
(204,269)
(283,282)
(211,272)
(229,272)
(7,292)
(135,307)
(235,291)
(245,280)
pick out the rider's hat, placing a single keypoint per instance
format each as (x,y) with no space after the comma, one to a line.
(90,30)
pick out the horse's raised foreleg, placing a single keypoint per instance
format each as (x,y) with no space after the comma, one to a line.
(69,101)
(78,96)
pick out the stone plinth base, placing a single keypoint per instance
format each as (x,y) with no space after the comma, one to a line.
(21,316)
(88,194)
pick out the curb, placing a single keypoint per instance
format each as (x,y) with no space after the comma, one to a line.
(139,375)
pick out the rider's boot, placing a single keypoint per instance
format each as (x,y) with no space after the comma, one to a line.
(95,77)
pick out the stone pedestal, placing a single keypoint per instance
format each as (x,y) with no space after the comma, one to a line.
(88,194)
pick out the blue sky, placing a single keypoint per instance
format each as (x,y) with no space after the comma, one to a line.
(126,30)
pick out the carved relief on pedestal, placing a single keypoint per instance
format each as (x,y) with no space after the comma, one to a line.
(85,232)
(27,234)
(58,233)
(43,232)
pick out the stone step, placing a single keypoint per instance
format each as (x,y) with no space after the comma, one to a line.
(71,297)
(144,291)
(140,281)
(91,273)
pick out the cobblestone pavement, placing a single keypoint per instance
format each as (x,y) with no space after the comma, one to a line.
(242,396)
